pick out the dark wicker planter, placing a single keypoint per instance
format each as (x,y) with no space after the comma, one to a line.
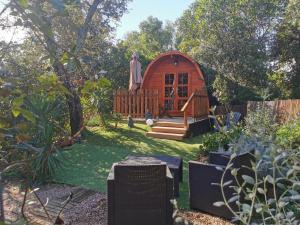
(203,179)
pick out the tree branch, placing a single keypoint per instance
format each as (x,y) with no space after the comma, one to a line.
(84,29)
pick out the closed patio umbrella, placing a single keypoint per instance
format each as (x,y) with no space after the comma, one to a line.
(135,73)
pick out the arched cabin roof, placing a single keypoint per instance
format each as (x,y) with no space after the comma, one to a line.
(171,54)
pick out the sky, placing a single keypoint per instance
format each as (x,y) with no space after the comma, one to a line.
(139,10)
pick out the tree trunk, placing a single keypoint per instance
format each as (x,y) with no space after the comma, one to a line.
(75,109)
(73,99)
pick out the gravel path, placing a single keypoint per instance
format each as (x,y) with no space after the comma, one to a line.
(91,211)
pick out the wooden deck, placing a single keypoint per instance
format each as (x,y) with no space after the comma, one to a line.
(175,128)
(165,119)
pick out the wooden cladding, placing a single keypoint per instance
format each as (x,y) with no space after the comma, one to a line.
(136,104)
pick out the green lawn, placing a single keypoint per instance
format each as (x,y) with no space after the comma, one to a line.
(89,163)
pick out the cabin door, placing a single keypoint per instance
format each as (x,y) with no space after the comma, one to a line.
(176,91)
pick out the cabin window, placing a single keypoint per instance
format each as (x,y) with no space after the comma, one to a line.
(183,91)
(169,79)
(169,92)
(169,104)
(183,78)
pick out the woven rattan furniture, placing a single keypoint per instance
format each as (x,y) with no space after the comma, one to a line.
(203,191)
(174,163)
(139,193)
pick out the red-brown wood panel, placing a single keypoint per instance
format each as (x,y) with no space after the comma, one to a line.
(154,76)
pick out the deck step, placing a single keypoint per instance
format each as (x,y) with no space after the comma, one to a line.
(173,130)
(170,136)
(169,124)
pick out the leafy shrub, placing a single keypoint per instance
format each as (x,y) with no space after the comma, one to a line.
(272,194)
(218,140)
(96,99)
(36,122)
(260,122)
(288,135)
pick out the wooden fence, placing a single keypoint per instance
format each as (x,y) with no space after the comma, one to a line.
(222,110)
(137,103)
(283,110)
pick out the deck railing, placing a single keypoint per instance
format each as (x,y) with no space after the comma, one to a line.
(136,104)
(198,104)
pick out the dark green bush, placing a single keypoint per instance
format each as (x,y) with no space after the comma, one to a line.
(219,140)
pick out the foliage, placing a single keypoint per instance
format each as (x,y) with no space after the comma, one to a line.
(152,38)
(260,122)
(231,37)
(34,122)
(285,77)
(218,140)
(271,194)
(288,135)
(96,98)
(224,135)
(72,35)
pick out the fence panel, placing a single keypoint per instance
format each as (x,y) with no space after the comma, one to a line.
(136,103)
(283,110)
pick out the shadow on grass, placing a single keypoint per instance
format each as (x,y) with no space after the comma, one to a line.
(89,163)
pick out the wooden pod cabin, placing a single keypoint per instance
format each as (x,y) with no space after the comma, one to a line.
(176,76)
(173,87)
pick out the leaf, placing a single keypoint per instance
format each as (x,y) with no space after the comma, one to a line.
(227,183)
(233,199)
(18,102)
(64,58)
(234,172)
(219,168)
(23,3)
(16,112)
(289,172)
(246,208)
(28,115)
(297,168)
(261,191)
(280,185)
(248,179)
(218,204)
(258,210)
(233,156)
(295,197)
(269,179)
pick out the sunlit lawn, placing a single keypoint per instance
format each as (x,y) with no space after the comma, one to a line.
(89,163)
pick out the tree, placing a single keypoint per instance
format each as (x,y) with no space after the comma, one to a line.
(234,39)
(63,28)
(286,52)
(152,38)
